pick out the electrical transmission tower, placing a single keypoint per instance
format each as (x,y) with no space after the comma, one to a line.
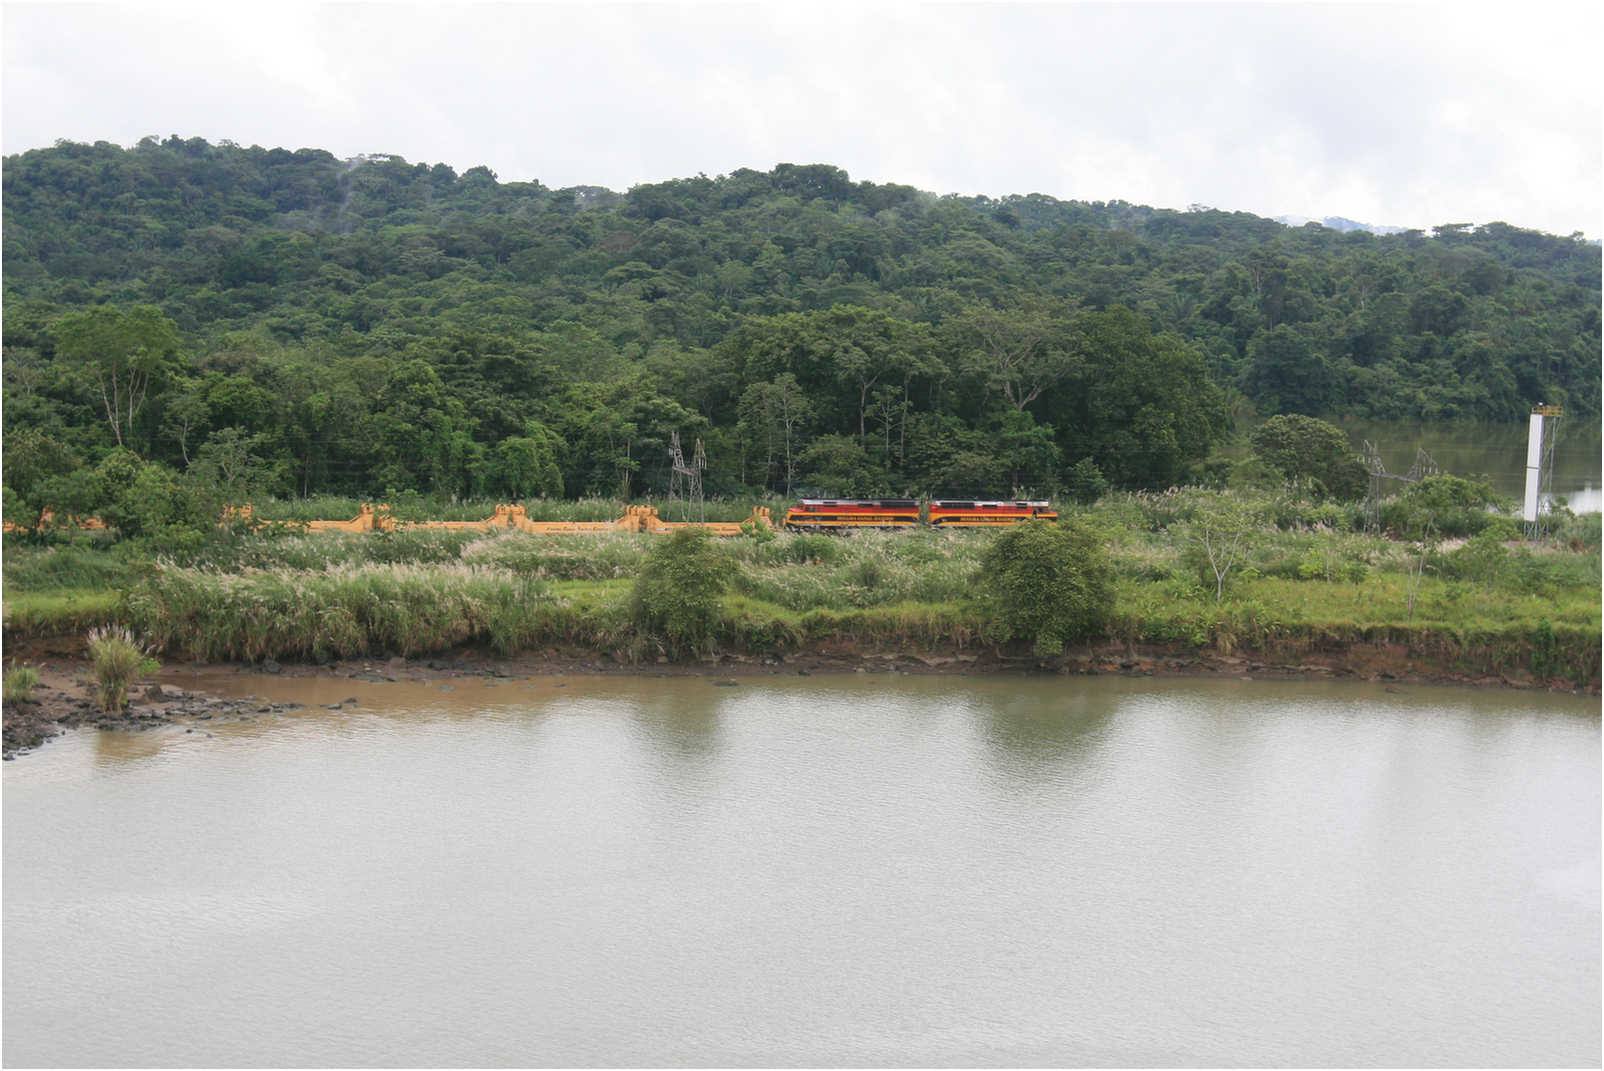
(1424,466)
(685,481)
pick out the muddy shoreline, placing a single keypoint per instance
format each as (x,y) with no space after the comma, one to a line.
(63,700)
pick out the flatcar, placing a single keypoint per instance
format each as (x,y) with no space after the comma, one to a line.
(851,514)
(955,513)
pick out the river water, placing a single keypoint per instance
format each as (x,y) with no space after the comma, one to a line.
(860,870)
(1496,451)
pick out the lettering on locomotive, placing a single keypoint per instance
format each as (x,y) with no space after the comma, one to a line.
(834,514)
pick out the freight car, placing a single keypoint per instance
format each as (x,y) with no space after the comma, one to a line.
(845,515)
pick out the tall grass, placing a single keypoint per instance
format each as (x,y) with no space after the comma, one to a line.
(117,659)
(75,565)
(322,550)
(607,556)
(56,613)
(19,684)
(347,611)
(810,572)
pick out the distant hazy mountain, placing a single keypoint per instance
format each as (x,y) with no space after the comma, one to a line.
(1338,223)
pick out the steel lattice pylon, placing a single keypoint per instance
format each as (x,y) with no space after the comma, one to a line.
(685,481)
(1424,466)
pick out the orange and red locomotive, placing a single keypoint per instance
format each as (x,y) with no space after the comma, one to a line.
(851,514)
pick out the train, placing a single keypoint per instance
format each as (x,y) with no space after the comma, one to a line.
(853,514)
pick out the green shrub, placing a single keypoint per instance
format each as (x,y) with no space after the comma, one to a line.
(117,660)
(1449,505)
(1050,583)
(679,596)
(19,684)
(1304,447)
(1212,472)
(1503,529)
(758,533)
(803,548)
(1581,532)
(1483,559)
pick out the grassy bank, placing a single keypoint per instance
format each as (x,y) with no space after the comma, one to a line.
(1305,582)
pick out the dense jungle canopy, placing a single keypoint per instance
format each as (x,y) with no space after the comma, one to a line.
(292,323)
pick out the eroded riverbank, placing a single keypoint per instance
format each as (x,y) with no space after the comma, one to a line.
(195,694)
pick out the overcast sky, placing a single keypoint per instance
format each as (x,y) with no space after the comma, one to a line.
(1387,114)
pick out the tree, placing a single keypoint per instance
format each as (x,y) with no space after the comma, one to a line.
(835,465)
(1287,373)
(773,414)
(527,465)
(1219,535)
(867,347)
(1018,351)
(1142,407)
(186,414)
(1086,484)
(423,431)
(30,460)
(1033,456)
(1050,583)
(120,354)
(231,464)
(1303,446)
(839,356)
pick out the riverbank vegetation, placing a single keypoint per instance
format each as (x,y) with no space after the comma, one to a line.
(1308,578)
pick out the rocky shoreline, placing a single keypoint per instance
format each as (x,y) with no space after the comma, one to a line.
(62,701)
(59,705)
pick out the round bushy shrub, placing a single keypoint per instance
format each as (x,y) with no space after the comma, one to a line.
(679,595)
(1050,583)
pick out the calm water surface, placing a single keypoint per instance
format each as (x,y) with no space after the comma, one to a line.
(864,870)
(1497,451)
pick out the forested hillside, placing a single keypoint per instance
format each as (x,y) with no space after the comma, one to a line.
(288,322)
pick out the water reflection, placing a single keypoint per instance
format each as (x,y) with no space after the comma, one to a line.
(113,749)
(1044,734)
(1497,451)
(682,722)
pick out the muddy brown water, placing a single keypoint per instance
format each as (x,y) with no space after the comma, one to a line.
(861,870)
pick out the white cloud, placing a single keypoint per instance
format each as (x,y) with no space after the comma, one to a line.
(1390,114)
